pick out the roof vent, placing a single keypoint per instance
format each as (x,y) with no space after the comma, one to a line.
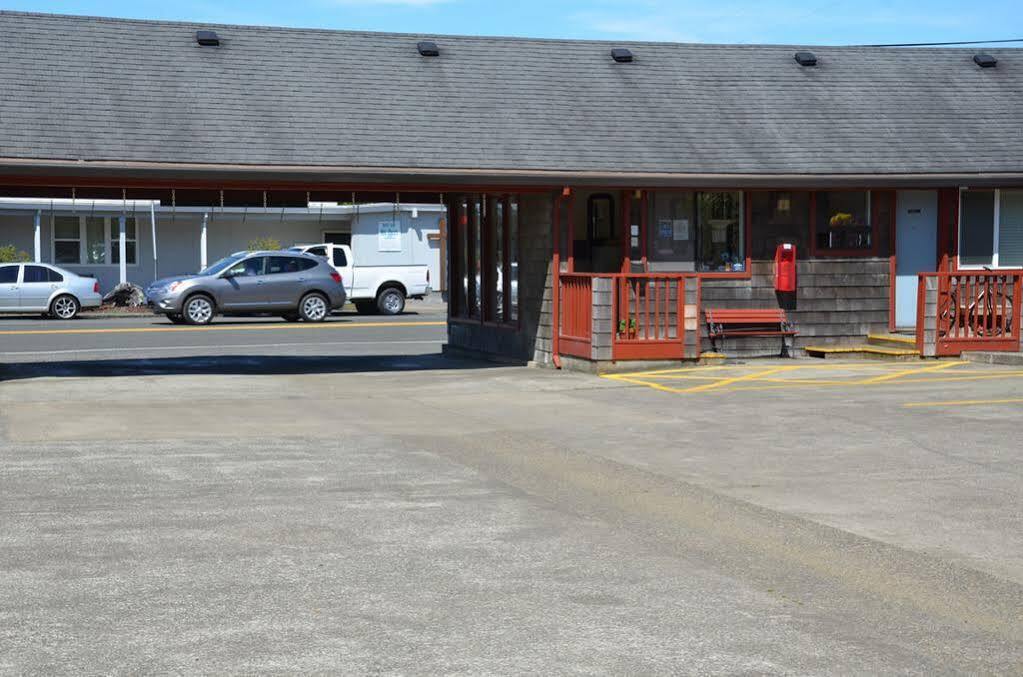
(621,55)
(985,60)
(428,48)
(207,38)
(806,58)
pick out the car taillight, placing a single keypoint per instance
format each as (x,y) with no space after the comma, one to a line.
(95,287)
(336,276)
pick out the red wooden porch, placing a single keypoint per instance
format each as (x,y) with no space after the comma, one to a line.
(628,316)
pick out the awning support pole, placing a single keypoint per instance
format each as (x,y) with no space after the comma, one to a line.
(202,241)
(38,240)
(122,248)
(152,223)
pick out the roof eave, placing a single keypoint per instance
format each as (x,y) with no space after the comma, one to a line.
(20,171)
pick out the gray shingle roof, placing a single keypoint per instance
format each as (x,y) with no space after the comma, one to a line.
(79,88)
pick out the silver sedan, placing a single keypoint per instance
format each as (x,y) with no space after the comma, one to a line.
(294,286)
(42,288)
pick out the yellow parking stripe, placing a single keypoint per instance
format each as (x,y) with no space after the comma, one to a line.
(219,327)
(738,379)
(910,372)
(963,403)
(735,378)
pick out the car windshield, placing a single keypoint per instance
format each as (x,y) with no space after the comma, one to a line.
(222,265)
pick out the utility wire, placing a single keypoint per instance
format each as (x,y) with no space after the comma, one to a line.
(945,44)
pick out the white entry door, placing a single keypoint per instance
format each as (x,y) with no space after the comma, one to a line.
(916,248)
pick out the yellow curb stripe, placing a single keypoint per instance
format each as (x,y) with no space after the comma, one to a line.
(235,327)
(962,403)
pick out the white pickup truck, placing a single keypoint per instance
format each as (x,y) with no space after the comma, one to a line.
(373,289)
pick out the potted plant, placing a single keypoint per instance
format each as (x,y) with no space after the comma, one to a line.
(629,327)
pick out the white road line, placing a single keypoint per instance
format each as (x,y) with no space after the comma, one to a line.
(136,349)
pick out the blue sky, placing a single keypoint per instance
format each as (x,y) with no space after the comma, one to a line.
(750,21)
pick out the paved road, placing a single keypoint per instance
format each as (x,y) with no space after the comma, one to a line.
(422,515)
(29,340)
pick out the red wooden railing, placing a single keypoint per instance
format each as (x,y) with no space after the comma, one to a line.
(575,306)
(648,316)
(975,310)
(645,320)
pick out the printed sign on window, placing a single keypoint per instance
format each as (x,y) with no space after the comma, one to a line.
(389,236)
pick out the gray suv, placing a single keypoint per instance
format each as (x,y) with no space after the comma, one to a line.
(294,286)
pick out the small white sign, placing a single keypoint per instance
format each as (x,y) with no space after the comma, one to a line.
(681,229)
(389,236)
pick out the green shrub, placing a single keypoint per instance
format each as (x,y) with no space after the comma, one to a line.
(10,254)
(264,244)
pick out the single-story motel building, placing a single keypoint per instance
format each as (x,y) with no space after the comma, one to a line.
(593,199)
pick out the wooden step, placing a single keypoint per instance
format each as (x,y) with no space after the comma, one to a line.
(903,341)
(863,352)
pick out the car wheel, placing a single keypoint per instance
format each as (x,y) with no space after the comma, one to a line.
(365,307)
(314,307)
(176,319)
(292,317)
(198,310)
(391,301)
(64,307)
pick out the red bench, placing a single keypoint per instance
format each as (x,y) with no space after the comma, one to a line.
(724,322)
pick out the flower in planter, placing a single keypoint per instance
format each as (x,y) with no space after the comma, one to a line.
(840,219)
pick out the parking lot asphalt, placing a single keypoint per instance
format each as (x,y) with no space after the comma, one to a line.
(414,514)
(25,340)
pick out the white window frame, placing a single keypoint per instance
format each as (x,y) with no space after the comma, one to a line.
(995,237)
(54,240)
(114,228)
(111,231)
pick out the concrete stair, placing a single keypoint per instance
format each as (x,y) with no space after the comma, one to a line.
(889,347)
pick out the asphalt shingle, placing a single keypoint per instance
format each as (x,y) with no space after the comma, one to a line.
(79,88)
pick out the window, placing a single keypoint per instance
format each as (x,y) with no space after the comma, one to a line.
(779,217)
(719,233)
(9,274)
(282,265)
(512,274)
(494,282)
(41,274)
(991,228)
(93,240)
(248,268)
(843,221)
(67,239)
(600,212)
(130,241)
(222,264)
(484,258)
(671,237)
(339,258)
(696,231)
(318,251)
